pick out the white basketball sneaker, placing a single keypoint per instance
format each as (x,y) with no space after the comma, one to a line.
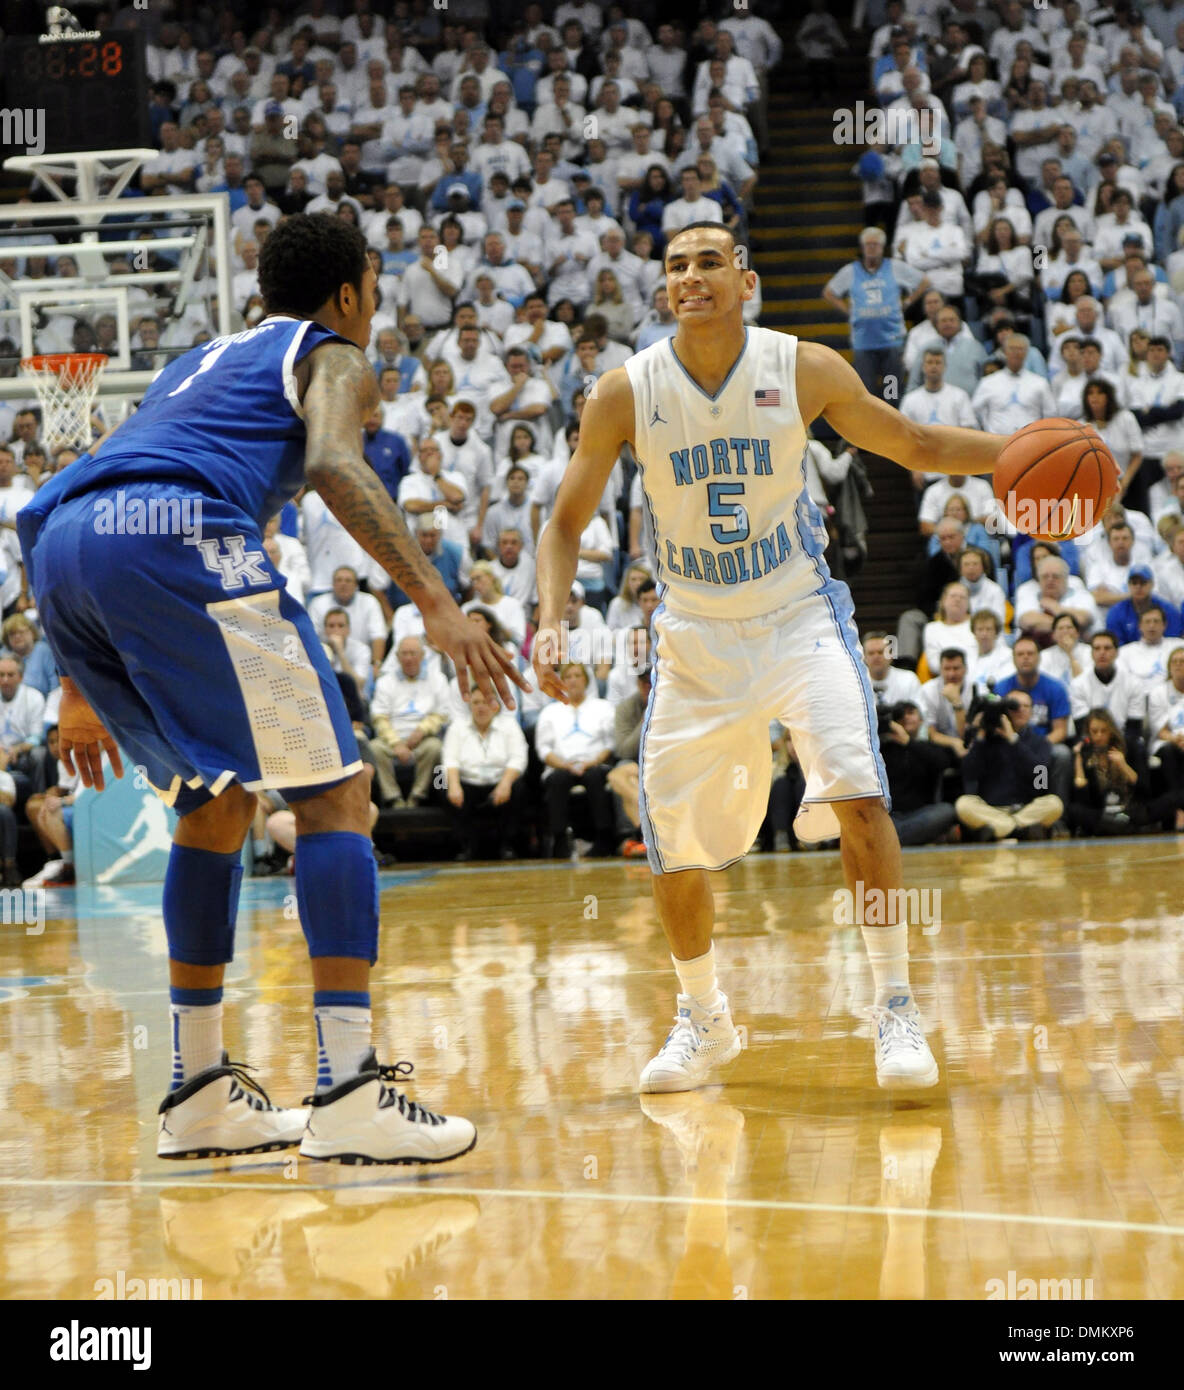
(364,1121)
(699,1041)
(903,1058)
(222,1112)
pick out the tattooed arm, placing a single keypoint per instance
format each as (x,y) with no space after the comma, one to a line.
(341,392)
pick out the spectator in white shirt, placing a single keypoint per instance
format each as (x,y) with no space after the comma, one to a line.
(432,282)
(174,169)
(484,756)
(1054,590)
(347,655)
(977,493)
(508,535)
(368,622)
(22,710)
(487,588)
(1168,570)
(945,700)
(430,491)
(1009,399)
(526,399)
(409,711)
(938,249)
(951,628)
(691,207)
(890,684)
(575,744)
(1104,685)
(1146,660)
(567,253)
(1107,575)
(991,661)
(984,592)
(467,455)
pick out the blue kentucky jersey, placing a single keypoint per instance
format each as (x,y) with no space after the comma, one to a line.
(224,418)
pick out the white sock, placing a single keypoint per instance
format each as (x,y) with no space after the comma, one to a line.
(888,952)
(696,977)
(197,1040)
(343,1041)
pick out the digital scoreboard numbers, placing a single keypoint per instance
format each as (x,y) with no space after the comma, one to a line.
(78,93)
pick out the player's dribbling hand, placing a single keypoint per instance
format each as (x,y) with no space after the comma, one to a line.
(476,656)
(83,739)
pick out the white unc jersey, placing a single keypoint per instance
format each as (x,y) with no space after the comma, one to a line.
(724,479)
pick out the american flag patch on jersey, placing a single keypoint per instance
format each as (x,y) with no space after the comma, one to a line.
(768,397)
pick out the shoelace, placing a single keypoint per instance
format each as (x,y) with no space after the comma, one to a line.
(683,1039)
(241,1080)
(409,1109)
(900,1028)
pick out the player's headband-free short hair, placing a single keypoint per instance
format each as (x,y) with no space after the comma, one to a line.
(710,226)
(306,260)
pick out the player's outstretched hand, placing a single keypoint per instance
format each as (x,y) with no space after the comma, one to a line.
(83,739)
(476,656)
(547,657)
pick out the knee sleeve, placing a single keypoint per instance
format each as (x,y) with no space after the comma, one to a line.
(337,894)
(200,905)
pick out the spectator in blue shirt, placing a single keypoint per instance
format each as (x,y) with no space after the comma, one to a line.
(523,63)
(648,203)
(386,452)
(1123,619)
(663,325)
(20,639)
(1050,712)
(445,556)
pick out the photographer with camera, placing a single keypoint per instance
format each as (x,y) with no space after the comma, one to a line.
(1005,768)
(1111,790)
(914,766)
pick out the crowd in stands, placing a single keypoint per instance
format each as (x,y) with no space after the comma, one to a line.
(516,186)
(516,190)
(1022,258)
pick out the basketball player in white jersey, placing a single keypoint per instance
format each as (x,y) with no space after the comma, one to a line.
(751,628)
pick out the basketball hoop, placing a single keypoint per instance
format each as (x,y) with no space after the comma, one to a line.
(66,384)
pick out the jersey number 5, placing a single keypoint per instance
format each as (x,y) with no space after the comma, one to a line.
(719,505)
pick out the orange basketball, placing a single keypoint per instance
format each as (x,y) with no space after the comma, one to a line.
(1055,478)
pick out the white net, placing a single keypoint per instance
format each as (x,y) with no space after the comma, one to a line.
(66,385)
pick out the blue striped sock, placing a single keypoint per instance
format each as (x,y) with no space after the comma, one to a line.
(196,1020)
(342,1020)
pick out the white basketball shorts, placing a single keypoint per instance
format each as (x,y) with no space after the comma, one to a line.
(705,758)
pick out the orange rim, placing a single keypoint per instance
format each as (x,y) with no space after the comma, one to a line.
(64,363)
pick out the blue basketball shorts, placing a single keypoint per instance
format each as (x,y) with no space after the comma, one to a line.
(187,644)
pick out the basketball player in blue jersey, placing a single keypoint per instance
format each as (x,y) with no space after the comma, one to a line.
(751,627)
(183,647)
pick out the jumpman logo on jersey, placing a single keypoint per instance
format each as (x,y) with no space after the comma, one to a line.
(236,564)
(657,418)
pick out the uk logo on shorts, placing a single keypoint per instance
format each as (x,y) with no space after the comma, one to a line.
(237,566)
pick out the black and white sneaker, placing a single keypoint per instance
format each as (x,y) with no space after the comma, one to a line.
(363,1120)
(222,1112)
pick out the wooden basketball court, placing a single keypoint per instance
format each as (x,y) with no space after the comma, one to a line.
(529,996)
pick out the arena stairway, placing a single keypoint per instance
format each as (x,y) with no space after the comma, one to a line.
(809,212)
